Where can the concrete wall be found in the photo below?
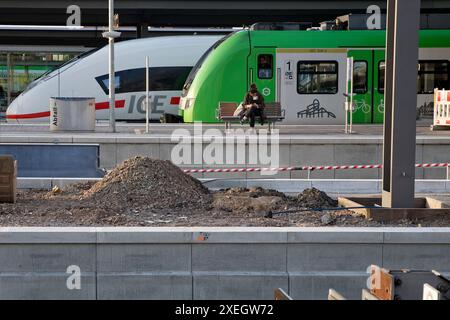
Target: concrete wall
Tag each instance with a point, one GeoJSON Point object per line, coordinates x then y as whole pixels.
{"type": "Point", "coordinates": [294, 150]}
{"type": "Point", "coordinates": [209, 263]}
{"type": "Point", "coordinates": [300, 151]}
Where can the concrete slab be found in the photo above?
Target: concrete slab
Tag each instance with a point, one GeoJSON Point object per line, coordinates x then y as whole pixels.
{"type": "Point", "coordinates": [315, 286]}
{"type": "Point", "coordinates": [239, 257]}
{"type": "Point", "coordinates": [417, 235]}
{"type": "Point", "coordinates": [46, 257]}
{"type": "Point", "coordinates": [45, 286]}
{"type": "Point", "coordinates": [238, 235]}
{"type": "Point", "coordinates": [43, 235]}
{"type": "Point", "coordinates": [64, 182]}
{"type": "Point", "coordinates": [34, 183]}
{"type": "Point", "coordinates": [333, 257]}
{"type": "Point", "coordinates": [144, 286]}
{"type": "Point", "coordinates": [127, 151]}
{"type": "Point", "coordinates": [143, 258]}
{"type": "Point", "coordinates": [368, 154]}
{"type": "Point", "coordinates": [345, 186]}
{"type": "Point", "coordinates": [209, 263]}
{"type": "Point", "coordinates": [311, 155]}
{"type": "Point", "coordinates": [140, 235]}
{"type": "Point", "coordinates": [430, 186]}
{"type": "Point", "coordinates": [335, 235]}
{"type": "Point", "coordinates": [108, 155]}
{"type": "Point", "coordinates": [417, 256]}
{"type": "Point", "coordinates": [237, 286]}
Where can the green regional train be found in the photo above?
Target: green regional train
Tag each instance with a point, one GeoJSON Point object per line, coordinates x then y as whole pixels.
{"type": "Point", "coordinates": [306, 71]}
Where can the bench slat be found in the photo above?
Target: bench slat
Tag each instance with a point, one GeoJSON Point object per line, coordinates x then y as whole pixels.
{"type": "Point", "coordinates": [272, 111]}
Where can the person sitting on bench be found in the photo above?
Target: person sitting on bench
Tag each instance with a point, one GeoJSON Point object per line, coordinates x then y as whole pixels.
{"type": "Point", "coordinates": [254, 106]}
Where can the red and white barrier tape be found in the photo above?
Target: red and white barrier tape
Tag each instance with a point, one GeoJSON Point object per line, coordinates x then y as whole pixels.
{"type": "Point", "coordinates": [308, 168]}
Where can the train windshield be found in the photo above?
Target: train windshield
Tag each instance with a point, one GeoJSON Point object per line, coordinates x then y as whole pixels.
{"type": "Point", "coordinates": [199, 64]}
{"type": "Point", "coordinates": [51, 73]}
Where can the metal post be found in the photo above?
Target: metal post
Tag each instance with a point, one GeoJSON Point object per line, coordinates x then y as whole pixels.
{"type": "Point", "coordinates": [351, 95]}
{"type": "Point", "coordinates": [10, 76]}
{"type": "Point", "coordinates": [112, 82]}
{"type": "Point", "coordinates": [402, 42]}
{"type": "Point", "coordinates": [147, 89]}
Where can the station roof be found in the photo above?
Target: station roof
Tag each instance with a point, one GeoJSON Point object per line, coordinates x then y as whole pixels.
{"type": "Point", "coordinates": [174, 13]}
{"type": "Point", "coordinates": [186, 12]}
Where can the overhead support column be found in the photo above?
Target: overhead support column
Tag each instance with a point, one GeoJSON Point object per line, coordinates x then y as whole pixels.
{"type": "Point", "coordinates": [402, 50]}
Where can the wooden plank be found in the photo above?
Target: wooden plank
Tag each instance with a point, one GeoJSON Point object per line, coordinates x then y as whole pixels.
{"type": "Point", "coordinates": [334, 295]}
{"type": "Point", "coordinates": [280, 294]}
{"type": "Point", "coordinates": [424, 208]}
{"type": "Point", "coordinates": [366, 295]}
{"type": "Point", "coordinates": [382, 284]}
{"type": "Point", "coordinates": [8, 179]}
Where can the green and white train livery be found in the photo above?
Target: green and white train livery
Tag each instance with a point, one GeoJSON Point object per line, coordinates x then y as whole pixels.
{"type": "Point", "coordinates": [306, 72]}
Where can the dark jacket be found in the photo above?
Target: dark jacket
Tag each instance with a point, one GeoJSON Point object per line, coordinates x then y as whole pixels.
{"type": "Point", "coordinates": [248, 99]}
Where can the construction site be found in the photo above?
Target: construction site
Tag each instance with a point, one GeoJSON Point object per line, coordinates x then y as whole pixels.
{"type": "Point", "coordinates": [131, 171]}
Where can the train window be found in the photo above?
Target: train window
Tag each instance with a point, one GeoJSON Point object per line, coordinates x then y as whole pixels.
{"type": "Point", "coordinates": [360, 77]}
{"type": "Point", "coordinates": [431, 74]}
{"type": "Point", "coordinates": [265, 66]}
{"type": "Point", "coordinates": [317, 77]}
{"type": "Point", "coordinates": [105, 83]}
{"type": "Point", "coordinates": [161, 79]}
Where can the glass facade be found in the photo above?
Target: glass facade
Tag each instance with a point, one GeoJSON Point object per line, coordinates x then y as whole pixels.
{"type": "Point", "coordinates": [18, 69]}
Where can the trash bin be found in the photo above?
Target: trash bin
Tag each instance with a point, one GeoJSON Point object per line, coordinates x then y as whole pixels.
{"type": "Point", "coordinates": [72, 114]}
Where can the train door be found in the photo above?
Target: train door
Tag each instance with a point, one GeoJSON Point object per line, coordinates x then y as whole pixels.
{"type": "Point", "coordinates": [311, 85]}
{"type": "Point", "coordinates": [262, 71]}
{"type": "Point", "coordinates": [362, 85]}
{"type": "Point", "coordinates": [378, 85]}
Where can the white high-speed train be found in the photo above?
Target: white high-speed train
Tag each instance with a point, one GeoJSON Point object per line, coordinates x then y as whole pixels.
{"type": "Point", "coordinates": [171, 60]}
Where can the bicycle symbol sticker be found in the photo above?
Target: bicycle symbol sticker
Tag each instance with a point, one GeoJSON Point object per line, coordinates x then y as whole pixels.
{"type": "Point", "coordinates": [361, 105]}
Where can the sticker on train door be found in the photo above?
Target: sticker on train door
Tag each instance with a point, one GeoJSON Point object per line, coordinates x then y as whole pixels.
{"type": "Point", "coordinates": [289, 72]}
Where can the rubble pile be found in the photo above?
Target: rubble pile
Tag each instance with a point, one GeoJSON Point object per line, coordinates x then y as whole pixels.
{"type": "Point", "coordinates": [314, 198]}
{"type": "Point", "coordinates": [151, 183]}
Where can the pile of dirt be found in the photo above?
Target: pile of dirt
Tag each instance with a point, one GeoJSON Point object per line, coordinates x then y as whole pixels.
{"type": "Point", "coordinates": [254, 192]}
{"type": "Point", "coordinates": [150, 183]}
{"type": "Point", "coordinates": [314, 198]}
{"type": "Point", "coordinates": [254, 200]}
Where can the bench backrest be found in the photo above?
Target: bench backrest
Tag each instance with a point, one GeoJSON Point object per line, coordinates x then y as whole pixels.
{"type": "Point", "coordinates": [227, 109]}
{"type": "Point", "coordinates": [272, 109]}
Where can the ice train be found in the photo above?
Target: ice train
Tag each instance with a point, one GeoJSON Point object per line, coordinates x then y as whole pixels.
{"type": "Point", "coordinates": [171, 60]}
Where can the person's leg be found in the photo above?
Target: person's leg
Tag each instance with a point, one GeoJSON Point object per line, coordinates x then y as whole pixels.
{"type": "Point", "coordinates": [259, 113]}
{"type": "Point", "coordinates": [262, 116]}
{"type": "Point", "coordinates": [251, 116]}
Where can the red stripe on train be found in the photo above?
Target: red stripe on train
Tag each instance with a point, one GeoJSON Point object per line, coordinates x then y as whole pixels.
{"type": "Point", "coordinates": [44, 114]}
{"type": "Point", "coordinates": [105, 105]}
{"type": "Point", "coordinates": [175, 100]}
{"type": "Point", "coordinates": [29, 115]}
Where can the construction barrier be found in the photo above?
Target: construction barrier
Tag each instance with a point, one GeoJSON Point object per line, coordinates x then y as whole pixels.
{"type": "Point", "coordinates": [309, 168]}
{"type": "Point", "coordinates": [441, 112]}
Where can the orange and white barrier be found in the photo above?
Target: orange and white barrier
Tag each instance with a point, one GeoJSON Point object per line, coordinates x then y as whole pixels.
{"type": "Point", "coordinates": [441, 114]}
